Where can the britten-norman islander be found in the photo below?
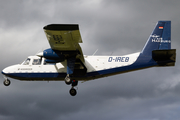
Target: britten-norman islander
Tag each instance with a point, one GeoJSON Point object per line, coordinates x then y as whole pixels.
{"type": "Point", "coordinates": [65, 61]}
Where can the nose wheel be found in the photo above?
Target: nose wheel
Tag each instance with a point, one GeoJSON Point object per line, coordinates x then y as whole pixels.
{"type": "Point", "coordinates": [7, 82]}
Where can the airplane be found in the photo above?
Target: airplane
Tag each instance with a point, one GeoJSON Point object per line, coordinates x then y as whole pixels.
{"type": "Point", "coordinates": [65, 61]}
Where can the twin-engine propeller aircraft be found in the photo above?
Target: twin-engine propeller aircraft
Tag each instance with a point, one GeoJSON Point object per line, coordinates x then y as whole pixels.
{"type": "Point", "coordinates": [65, 61]}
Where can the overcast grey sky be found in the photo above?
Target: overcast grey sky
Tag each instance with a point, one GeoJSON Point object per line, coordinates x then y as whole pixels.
{"type": "Point", "coordinates": [112, 26]}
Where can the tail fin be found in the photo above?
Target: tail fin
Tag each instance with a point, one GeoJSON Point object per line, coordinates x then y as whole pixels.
{"type": "Point", "coordinates": [158, 46]}
{"type": "Point", "coordinates": [160, 39]}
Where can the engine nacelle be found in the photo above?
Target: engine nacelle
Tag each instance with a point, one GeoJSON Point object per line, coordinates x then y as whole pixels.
{"type": "Point", "coordinates": [53, 55]}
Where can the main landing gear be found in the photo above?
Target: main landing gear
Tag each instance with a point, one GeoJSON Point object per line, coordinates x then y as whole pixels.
{"type": "Point", "coordinates": [73, 83]}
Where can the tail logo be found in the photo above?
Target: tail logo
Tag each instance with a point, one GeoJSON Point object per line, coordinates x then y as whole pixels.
{"type": "Point", "coordinates": [156, 38]}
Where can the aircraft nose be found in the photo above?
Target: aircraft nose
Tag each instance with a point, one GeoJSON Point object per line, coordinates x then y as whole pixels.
{"type": "Point", "coordinates": [5, 71]}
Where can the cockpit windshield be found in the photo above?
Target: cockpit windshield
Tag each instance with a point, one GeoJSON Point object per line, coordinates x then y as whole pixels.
{"type": "Point", "coordinates": [26, 62]}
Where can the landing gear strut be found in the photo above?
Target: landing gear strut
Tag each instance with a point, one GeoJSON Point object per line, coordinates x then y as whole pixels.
{"type": "Point", "coordinates": [73, 83]}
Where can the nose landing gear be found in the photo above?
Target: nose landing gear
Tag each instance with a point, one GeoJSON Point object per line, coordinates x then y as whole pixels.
{"type": "Point", "coordinates": [6, 82]}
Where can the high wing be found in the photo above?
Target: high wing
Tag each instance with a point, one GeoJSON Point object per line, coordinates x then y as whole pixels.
{"type": "Point", "coordinates": [65, 38]}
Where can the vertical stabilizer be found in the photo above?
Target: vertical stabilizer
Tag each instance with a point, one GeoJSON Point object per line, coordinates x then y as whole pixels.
{"type": "Point", "coordinates": [160, 39]}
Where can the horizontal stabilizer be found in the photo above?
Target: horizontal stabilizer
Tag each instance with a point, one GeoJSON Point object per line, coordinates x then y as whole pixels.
{"type": "Point", "coordinates": [164, 57]}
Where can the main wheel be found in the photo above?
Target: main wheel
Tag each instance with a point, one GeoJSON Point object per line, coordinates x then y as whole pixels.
{"type": "Point", "coordinates": [73, 92]}
{"type": "Point", "coordinates": [68, 80]}
{"type": "Point", "coordinates": [7, 82]}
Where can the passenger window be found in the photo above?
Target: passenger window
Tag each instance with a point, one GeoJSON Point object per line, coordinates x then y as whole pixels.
{"type": "Point", "coordinates": [36, 62]}
{"type": "Point", "coordinates": [26, 62]}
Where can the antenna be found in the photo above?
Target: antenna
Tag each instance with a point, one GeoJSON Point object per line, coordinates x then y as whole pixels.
{"type": "Point", "coordinates": [95, 52]}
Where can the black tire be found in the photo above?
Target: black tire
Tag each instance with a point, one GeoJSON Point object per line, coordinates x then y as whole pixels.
{"type": "Point", "coordinates": [72, 92]}
{"type": "Point", "coordinates": [7, 82]}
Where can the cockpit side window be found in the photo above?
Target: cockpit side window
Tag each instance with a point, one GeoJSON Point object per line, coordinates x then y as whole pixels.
{"type": "Point", "coordinates": [27, 61]}
{"type": "Point", "coordinates": [37, 62]}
